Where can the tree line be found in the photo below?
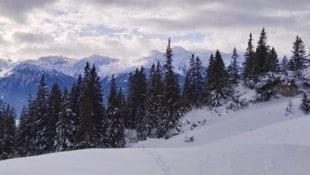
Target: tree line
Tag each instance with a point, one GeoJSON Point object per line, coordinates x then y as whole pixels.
{"type": "Point", "coordinates": [60, 120]}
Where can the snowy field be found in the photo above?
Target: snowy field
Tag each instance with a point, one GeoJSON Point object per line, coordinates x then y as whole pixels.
{"type": "Point", "coordinates": [262, 139]}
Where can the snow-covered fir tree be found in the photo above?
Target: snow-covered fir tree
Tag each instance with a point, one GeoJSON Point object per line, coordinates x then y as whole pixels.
{"type": "Point", "coordinates": [54, 110]}
{"type": "Point", "coordinates": [218, 86]}
{"type": "Point", "coordinates": [39, 116]}
{"type": "Point", "coordinates": [172, 99]}
{"type": "Point", "coordinates": [233, 68]}
{"type": "Point", "coordinates": [305, 103]}
{"type": "Point", "coordinates": [299, 56]}
{"type": "Point", "coordinates": [7, 131]}
{"type": "Point", "coordinates": [91, 131]}
{"type": "Point", "coordinates": [116, 138]}
{"type": "Point", "coordinates": [194, 83]}
{"type": "Point", "coordinates": [65, 126]}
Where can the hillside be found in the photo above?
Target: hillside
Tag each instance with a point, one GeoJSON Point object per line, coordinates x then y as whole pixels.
{"type": "Point", "coordinates": [260, 139]}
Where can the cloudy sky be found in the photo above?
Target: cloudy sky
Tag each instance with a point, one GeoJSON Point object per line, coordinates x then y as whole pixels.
{"type": "Point", "coordinates": [132, 28]}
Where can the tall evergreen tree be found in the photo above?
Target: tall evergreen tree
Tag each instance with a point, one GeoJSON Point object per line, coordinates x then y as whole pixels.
{"type": "Point", "coordinates": [91, 110]}
{"type": "Point", "coordinates": [305, 103]}
{"type": "Point", "coordinates": [7, 131]}
{"type": "Point", "coordinates": [271, 64]}
{"type": "Point", "coordinates": [217, 81]}
{"type": "Point", "coordinates": [116, 122]}
{"type": "Point", "coordinates": [172, 104]}
{"type": "Point", "coordinates": [299, 56]}
{"type": "Point", "coordinates": [131, 102]}
{"type": "Point", "coordinates": [284, 65]}
{"type": "Point", "coordinates": [188, 90]}
{"type": "Point", "coordinates": [194, 83]}
{"type": "Point", "coordinates": [233, 68]}
{"type": "Point", "coordinates": [38, 114]}
{"type": "Point", "coordinates": [25, 132]}
{"type": "Point", "coordinates": [154, 101]}
{"type": "Point", "coordinates": [249, 63]}
{"type": "Point", "coordinates": [65, 127]}
{"type": "Point", "coordinates": [142, 122]}
{"type": "Point", "coordinates": [261, 54]}
{"type": "Point", "coordinates": [75, 105]}
{"type": "Point", "coordinates": [54, 110]}
{"type": "Point", "coordinates": [137, 97]}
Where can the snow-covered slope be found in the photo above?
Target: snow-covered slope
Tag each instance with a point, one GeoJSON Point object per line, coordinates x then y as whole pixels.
{"type": "Point", "coordinates": [261, 139]}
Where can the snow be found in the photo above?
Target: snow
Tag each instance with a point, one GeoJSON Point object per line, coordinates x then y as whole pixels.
{"type": "Point", "coordinates": [260, 139]}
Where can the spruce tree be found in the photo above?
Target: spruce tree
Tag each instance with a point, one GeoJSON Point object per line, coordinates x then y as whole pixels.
{"type": "Point", "coordinates": [271, 64]}
{"type": "Point", "coordinates": [38, 114]}
{"type": "Point", "coordinates": [91, 131]}
{"type": "Point", "coordinates": [188, 89]}
{"type": "Point", "coordinates": [75, 105]}
{"type": "Point", "coordinates": [233, 68]}
{"type": "Point", "coordinates": [25, 132]}
{"type": "Point", "coordinates": [54, 110]}
{"type": "Point", "coordinates": [65, 127]}
{"type": "Point", "coordinates": [136, 98]}
{"type": "Point", "coordinates": [249, 63]}
{"type": "Point", "coordinates": [218, 86]}
{"type": "Point", "coordinates": [194, 83]}
{"type": "Point", "coordinates": [172, 104]}
{"type": "Point", "coordinates": [154, 101]}
{"type": "Point", "coordinates": [284, 65]}
{"type": "Point", "coordinates": [131, 103]}
{"type": "Point", "coordinates": [299, 56]}
{"type": "Point", "coordinates": [7, 131]}
{"type": "Point", "coordinates": [142, 122]}
{"type": "Point", "coordinates": [116, 137]}
{"type": "Point", "coordinates": [261, 54]}
{"type": "Point", "coordinates": [305, 103]}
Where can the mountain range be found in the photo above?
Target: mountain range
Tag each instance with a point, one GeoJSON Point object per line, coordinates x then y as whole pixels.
{"type": "Point", "coordinates": [19, 80]}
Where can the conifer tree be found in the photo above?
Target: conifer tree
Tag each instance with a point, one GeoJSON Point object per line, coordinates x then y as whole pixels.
{"type": "Point", "coordinates": [305, 103]}
{"type": "Point", "coordinates": [217, 81]}
{"type": "Point", "coordinates": [299, 56]}
{"type": "Point", "coordinates": [38, 114]}
{"type": "Point", "coordinates": [188, 89]}
{"type": "Point", "coordinates": [25, 132]}
{"type": "Point", "coordinates": [284, 65]}
{"type": "Point", "coordinates": [54, 110]}
{"type": "Point", "coordinates": [261, 54]}
{"type": "Point", "coordinates": [142, 122]}
{"type": "Point", "coordinates": [131, 102]}
{"type": "Point", "coordinates": [154, 101]}
{"type": "Point", "coordinates": [249, 63]}
{"type": "Point", "coordinates": [136, 97]}
{"type": "Point", "coordinates": [200, 82]}
{"type": "Point", "coordinates": [172, 104]}
{"type": "Point", "coordinates": [271, 64]}
{"type": "Point", "coordinates": [7, 131]}
{"type": "Point", "coordinates": [209, 83]}
{"type": "Point", "coordinates": [65, 126]}
{"type": "Point", "coordinates": [233, 68]}
{"type": "Point", "coordinates": [194, 83]}
{"type": "Point", "coordinates": [91, 111]}
{"type": "Point", "coordinates": [116, 122]}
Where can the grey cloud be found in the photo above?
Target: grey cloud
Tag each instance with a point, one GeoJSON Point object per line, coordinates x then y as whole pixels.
{"type": "Point", "coordinates": [288, 4]}
{"type": "Point", "coordinates": [17, 9]}
{"type": "Point", "coordinates": [31, 37]}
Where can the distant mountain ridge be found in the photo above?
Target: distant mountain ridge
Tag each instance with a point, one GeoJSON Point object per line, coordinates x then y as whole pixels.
{"type": "Point", "coordinates": [19, 79]}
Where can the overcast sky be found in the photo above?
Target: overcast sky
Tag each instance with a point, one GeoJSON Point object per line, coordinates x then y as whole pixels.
{"type": "Point", "coordinates": [132, 28]}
